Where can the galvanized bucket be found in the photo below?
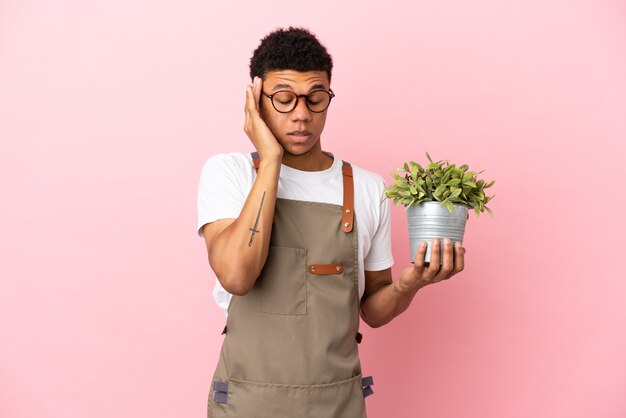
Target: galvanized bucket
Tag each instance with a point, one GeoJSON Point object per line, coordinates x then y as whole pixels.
{"type": "Point", "coordinates": [429, 220]}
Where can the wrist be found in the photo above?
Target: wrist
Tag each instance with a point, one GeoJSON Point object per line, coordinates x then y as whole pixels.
{"type": "Point", "coordinates": [271, 161]}
{"type": "Point", "coordinates": [406, 289]}
{"type": "Point", "coordinates": [271, 153]}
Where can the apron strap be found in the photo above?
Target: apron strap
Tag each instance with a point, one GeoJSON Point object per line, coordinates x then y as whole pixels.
{"type": "Point", "coordinates": [347, 217]}
{"type": "Point", "coordinates": [256, 160]}
{"type": "Point", "coordinates": [348, 198]}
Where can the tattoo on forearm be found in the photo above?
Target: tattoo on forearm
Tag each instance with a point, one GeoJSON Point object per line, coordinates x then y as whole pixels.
{"type": "Point", "coordinates": [258, 215]}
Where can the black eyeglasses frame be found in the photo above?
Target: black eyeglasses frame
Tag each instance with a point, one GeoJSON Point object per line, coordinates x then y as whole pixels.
{"type": "Point", "coordinates": [330, 93]}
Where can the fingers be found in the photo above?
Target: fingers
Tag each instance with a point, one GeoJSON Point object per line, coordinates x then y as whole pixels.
{"type": "Point", "coordinates": [257, 86]}
{"type": "Point", "coordinates": [459, 257]}
{"type": "Point", "coordinates": [248, 122]}
{"type": "Point", "coordinates": [435, 256]}
{"type": "Point", "coordinates": [418, 264]}
{"type": "Point", "coordinates": [452, 263]}
{"type": "Point", "coordinates": [427, 275]}
{"type": "Point", "coordinates": [255, 127]}
{"type": "Point", "coordinates": [250, 106]}
{"type": "Point", "coordinates": [447, 265]}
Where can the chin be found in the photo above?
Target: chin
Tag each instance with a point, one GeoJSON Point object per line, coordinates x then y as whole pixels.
{"type": "Point", "coordinates": [298, 149]}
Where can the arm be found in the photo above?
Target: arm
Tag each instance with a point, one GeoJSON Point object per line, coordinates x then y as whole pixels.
{"type": "Point", "coordinates": [237, 250]}
{"type": "Point", "coordinates": [384, 299]}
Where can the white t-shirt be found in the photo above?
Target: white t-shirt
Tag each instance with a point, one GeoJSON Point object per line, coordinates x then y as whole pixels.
{"type": "Point", "coordinates": [226, 180]}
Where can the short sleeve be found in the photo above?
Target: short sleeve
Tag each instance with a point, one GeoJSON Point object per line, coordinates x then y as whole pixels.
{"type": "Point", "coordinates": [380, 256]}
{"type": "Point", "coordinates": [220, 190]}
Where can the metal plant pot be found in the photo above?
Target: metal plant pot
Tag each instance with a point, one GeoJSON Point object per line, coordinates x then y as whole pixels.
{"type": "Point", "coordinates": [429, 220]}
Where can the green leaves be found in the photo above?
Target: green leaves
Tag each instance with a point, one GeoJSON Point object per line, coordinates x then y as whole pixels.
{"type": "Point", "coordinates": [439, 190]}
{"type": "Point", "coordinates": [455, 194]}
{"type": "Point", "coordinates": [439, 181]}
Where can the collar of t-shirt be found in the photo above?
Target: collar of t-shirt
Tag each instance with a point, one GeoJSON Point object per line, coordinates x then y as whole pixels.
{"type": "Point", "coordinates": [318, 177]}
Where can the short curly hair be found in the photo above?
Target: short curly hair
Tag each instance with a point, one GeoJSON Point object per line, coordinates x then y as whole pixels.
{"type": "Point", "coordinates": [290, 49]}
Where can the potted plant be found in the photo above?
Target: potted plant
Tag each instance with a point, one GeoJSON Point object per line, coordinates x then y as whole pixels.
{"type": "Point", "coordinates": [437, 198]}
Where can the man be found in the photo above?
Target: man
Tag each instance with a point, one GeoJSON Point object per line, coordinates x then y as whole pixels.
{"type": "Point", "coordinates": [300, 246]}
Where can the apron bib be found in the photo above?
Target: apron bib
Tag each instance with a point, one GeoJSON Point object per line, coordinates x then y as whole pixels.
{"type": "Point", "coordinates": [290, 348]}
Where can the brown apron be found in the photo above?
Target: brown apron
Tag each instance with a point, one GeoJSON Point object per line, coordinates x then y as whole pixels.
{"type": "Point", "coordinates": [290, 348]}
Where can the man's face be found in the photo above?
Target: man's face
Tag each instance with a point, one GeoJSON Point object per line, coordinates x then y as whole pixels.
{"type": "Point", "coordinates": [298, 131]}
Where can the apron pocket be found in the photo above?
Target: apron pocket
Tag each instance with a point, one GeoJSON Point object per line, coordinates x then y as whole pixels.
{"type": "Point", "coordinates": [342, 399]}
{"type": "Point", "coordinates": [282, 282]}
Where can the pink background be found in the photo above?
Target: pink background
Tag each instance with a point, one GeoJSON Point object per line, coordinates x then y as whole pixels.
{"type": "Point", "coordinates": [109, 109]}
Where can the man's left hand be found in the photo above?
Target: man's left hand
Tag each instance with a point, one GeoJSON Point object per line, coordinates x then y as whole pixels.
{"type": "Point", "coordinates": [418, 275]}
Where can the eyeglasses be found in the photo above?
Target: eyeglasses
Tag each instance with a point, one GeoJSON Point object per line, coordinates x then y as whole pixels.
{"type": "Point", "coordinates": [285, 101]}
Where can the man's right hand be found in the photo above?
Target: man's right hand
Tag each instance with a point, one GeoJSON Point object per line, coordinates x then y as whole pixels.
{"type": "Point", "coordinates": [256, 128]}
{"type": "Point", "coordinates": [238, 248]}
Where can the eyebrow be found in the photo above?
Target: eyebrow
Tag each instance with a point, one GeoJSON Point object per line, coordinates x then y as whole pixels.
{"type": "Point", "coordinates": [287, 86]}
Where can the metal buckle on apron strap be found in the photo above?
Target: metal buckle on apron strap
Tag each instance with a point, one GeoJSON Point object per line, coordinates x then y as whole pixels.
{"type": "Point", "coordinates": [221, 391]}
{"type": "Point", "coordinates": [367, 383]}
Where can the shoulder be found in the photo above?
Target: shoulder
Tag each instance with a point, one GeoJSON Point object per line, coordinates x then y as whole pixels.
{"type": "Point", "coordinates": [229, 159]}
{"type": "Point", "coordinates": [231, 164]}
{"type": "Point", "coordinates": [225, 171]}
{"type": "Point", "coordinates": [368, 180]}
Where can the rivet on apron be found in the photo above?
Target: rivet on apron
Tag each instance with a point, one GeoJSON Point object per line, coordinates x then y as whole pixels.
{"type": "Point", "coordinates": [347, 224]}
{"type": "Point", "coordinates": [312, 268]}
{"type": "Point", "coordinates": [338, 268]}
{"type": "Point", "coordinates": [347, 210]}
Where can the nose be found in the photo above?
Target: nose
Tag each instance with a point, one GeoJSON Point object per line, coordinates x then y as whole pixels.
{"type": "Point", "coordinates": [301, 112]}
